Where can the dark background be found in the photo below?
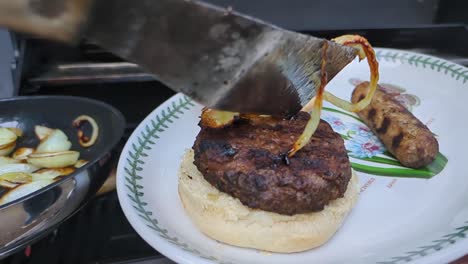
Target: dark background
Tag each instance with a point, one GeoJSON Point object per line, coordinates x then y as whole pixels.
{"type": "Point", "coordinates": [344, 14]}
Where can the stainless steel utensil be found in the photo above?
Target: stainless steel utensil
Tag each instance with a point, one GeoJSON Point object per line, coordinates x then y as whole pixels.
{"type": "Point", "coordinates": [220, 58]}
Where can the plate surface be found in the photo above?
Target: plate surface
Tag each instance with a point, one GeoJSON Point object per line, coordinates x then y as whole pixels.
{"type": "Point", "coordinates": [402, 215]}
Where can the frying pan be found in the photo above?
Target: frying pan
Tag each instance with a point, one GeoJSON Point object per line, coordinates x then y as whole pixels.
{"type": "Point", "coordinates": [31, 217]}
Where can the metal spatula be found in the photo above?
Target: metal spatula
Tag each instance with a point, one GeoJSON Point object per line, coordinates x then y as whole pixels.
{"type": "Point", "coordinates": [220, 58]}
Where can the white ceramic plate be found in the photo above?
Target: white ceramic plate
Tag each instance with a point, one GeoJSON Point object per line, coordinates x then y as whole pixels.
{"type": "Point", "coordinates": [396, 220]}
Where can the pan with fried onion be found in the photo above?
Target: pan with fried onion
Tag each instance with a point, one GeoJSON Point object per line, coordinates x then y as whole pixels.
{"type": "Point", "coordinates": [55, 154]}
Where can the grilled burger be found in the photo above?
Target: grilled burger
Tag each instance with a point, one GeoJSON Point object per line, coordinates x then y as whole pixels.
{"type": "Point", "coordinates": [239, 187]}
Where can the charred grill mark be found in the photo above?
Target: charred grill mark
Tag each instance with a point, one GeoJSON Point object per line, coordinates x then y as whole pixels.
{"type": "Point", "coordinates": [397, 140]}
{"type": "Point", "coordinates": [225, 148]}
{"type": "Point", "coordinates": [229, 151]}
{"type": "Point", "coordinates": [384, 127]}
{"type": "Point", "coordinates": [285, 159]}
{"type": "Point", "coordinates": [264, 158]}
{"type": "Point", "coordinates": [371, 114]}
{"type": "Point", "coordinates": [210, 144]}
{"type": "Point", "coordinates": [404, 135]}
{"type": "Point", "coordinates": [260, 182]}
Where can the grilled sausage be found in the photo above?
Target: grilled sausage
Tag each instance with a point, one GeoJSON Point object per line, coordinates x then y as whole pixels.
{"type": "Point", "coordinates": [407, 138]}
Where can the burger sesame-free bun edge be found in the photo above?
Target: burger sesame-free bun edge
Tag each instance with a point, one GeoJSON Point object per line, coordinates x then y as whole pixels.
{"type": "Point", "coordinates": [225, 219]}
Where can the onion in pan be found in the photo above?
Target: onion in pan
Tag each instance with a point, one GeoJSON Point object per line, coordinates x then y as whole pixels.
{"type": "Point", "coordinates": [54, 159]}
{"type": "Point", "coordinates": [51, 174]}
{"type": "Point", "coordinates": [23, 190]}
{"type": "Point", "coordinates": [22, 153]}
{"type": "Point", "coordinates": [8, 160]}
{"type": "Point", "coordinates": [42, 132]}
{"type": "Point", "coordinates": [29, 169]}
{"type": "Point", "coordinates": [12, 179]}
{"type": "Point", "coordinates": [56, 141]}
{"type": "Point", "coordinates": [18, 167]}
{"type": "Point", "coordinates": [84, 140]}
{"type": "Point", "coordinates": [18, 132]}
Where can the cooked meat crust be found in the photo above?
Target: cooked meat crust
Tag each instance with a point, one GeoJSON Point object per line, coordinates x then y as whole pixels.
{"type": "Point", "coordinates": [248, 161]}
{"type": "Point", "coordinates": [404, 135]}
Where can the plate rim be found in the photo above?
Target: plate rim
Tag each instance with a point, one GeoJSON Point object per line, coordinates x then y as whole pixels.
{"type": "Point", "coordinates": [447, 253]}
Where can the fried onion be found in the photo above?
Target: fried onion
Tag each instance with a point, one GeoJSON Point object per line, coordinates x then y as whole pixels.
{"type": "Point", "coordinates": [216, 118]}
{"type": "Point", "coordinates": [84, 140]}
{"type": "Point", "coordinates": [54, 159]}
{"type": "Point", "coordinates": [42, 132]}
{"type": "Point", "coordinates": [22, 153]}
{"type": "Point", "coordinates": [317, 101]}
{"type": "Point", "coordinates": [365, 50]}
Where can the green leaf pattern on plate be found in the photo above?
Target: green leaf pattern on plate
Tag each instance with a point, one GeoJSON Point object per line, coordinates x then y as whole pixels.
{"type": "Point", "coordinates": [436, 245]}
{"type": "Point", "coordinates": [458, 72]}
{"type": "Point", "coordinates": [134, 165]}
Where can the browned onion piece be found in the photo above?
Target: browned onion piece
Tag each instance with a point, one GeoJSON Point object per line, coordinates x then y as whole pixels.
{"type": "Point", "coordinates": [84, 140]}
{"type": "Point", "coordinates": [54, 142]}
{"type": "Point", "coordinates": [22, 153]}
{"type": "Point", "coordinates": [18, 132]}
{"type": "Point", "coordinates": [12, 179]}
{"type": "Point", "coordinates": [365, 50]}
{"type": "Point", "coordinates": [7, 138]}
{"type": "Point", "coordinates": [80, 163]}
{"type": "Point", "coordinates": [54, 160]}
{"type": "Point", "coordinates": [7, 184]}
{"type": "Point", "coordinates": [16, 177]}
{"type": "Point", "coordinates": [317, 102]}
{"type": "Point", "coordinates": [51, 174]}
{"type": "Point", "coordinates": [216, 118]}
{"type": "Point", "coordinates": [42, 132]}
{"type": "Point", "coordinates": [7, 149]}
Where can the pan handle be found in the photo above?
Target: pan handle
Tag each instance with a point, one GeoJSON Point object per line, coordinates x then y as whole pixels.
{"type": "Point", "coordinates": [53, 19]}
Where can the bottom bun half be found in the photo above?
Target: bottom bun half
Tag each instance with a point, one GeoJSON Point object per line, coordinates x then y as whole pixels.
{"type": "Point", "coordinates": [225, 219]}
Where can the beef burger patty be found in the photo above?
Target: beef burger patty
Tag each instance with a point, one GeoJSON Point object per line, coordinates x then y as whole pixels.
{"type": "Point", "coordinates": [247, 160]}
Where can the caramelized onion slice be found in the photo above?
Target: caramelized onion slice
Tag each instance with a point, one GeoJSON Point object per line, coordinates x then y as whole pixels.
{"type": "Point", "coordinates": [80, 163]}
{"type": "Point", "coordinates": [22, 153]}
{"type": "Point", "coordinates": [7, 137]}
{"type": "Point", "coordinates": [8, 160]}
{"type": "Point", "coordinates": [316, 103]}
{"type": "Point", "coordinates": [6, 150]}
{"type": "Point", "coordinates": [365, 50]}
{"type": "Point", "coordinates": [84, 140]}
{"type": "Point", "coordinates": [217, 119]}
{"type": "Point", "coordinates": [51, 174]}
{"type": "Point", "coordinates": [54, 160]}
{"type": "Point", "coordinates": [16, 177]}
{"type": "Point", "coordinates": [17, 167]}
{"type": "Point", "coordinates": [7, 184]}
{"type": "Point", "coordinates": [57, 141]}
{"type": "Point", "coordinates": [18, 132]}
{"type": "Point", "coordinates": [42, 132]}
{"type": "Point", "coordinates": [24, 190]}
